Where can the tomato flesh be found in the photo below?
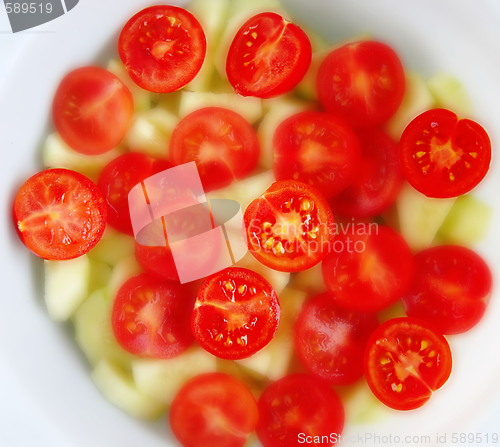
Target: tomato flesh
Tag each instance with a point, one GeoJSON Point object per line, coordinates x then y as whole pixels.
{"type": "Point", "coordinates": [151, 318]}
{"type": "Point", "coordinates": [236, 314]}
{"type": "Point", "coordinates": [299, 405]}
{"type": "Point", "coordinates": [59, 214]}
{"type": "Point", "coordinates": [450, 289]}
{"type": "Point", "coordinates": [268, 56]}
{"type": "Point", "coordinates": [406, 360]}
{"type": "Point", "coordinates": [92, 110]}
{"type": "Point", "coordinates": [213, 410]}
{"type": "Point", "coordinates": [163, 48]}
{"type": "Point", "coordinates": [444, 156]}
{"type": "Point", "coordinates": [317, 149]}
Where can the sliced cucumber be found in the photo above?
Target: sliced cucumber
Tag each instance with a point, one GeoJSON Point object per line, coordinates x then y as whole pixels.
{"type": "Point", "coordinates": [257, 365]}
{"type": "Point", "coordinates": [99, 276]}
{"type": "Point", "coordinates": [141, 97]}
{"type": "Point", "coordinates": [66, 286]}
{"type": "Point", "coordinates": [94, 333]}
{"type": "Point", "coordinates": [467, 222]}
{"type": "Point", "coordinates": [57, 154]}
{"type": "Point", "coordinates": [162, 379]}
{"type": "Point", "coordinates": [417, 99]}
{"type": "Point", "coordinates": [420, 217]}
{"type": "Point", "coordinates": [118, 387]}
{"type": "Point", "coordinates": [395, 311]}
{"type": "Point", "coordinates": [450, 93]}
{"type": "Point", "coordinates": [124, 269]}
{"type": "Point", "coordinates": [248, 107]}
{"type": "Point", "coordinates": [113, 247]}
{"type": "Point", "coordinates": [310, 280]}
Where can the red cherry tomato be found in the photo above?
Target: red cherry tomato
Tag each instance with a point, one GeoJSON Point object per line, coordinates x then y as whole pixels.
{"type": "Point", "coordinates": [151, 318]}
{"type": "Point", "coordinates": [221, 142]}
{"type": "Point", "coordinates": [379, 178]}
{"type": "Point", "coordinates": [406, 360]}
{"type": "Point", "coordinates": [317, 149]}
{"type": "Point", "coordinates": [163, 48]}
{"type": "Point", "coordinates": [236, 314]}
{"type": "Point", "coordinates": [92, 110]}
{"type": "Point", "coordinates": [362, 83]}
{"type": "Point", "coordinates": [295, 409]}
{"type": "Point", "coordinates": [290, 227]}
{"type": "Point", "coordinates": [213, 410]}
{"type": "Point", "coordinates": [450, 288]}
{"type": "Point", "coordinates": [368, 272]}
{"type": "Point", "coordinates": [268, 56]}
{"type": "Point", "coordinates": [444, 156]}
{"type": "Point", "coordinates": [59, 214]}
{"type": "Point", "coordinates": [330, 341]}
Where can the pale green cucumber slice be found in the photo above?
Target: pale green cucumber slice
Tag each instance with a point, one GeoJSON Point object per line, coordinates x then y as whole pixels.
{"type": "Point", "coordinates": [66, 286]}
{"type": "Point", "coordinates": [123, 270]}
{"type": "Point", "coordinates": [99, 276]}
{"type": "Point", "coordinates": [467, 222]}
{"type": "Point", "coordinates": [416, 100]}
{"type": "Point", "coordinates": [420, 217]}
{"type": "Point", "coordinates": [450, 93]}
{"type": "Point", "coordinates": [118, 387]}
{"type": "Point", "coordinates": [141, 97]}
{"type": "Point", "coordinates": [395, 311]}
{"type": "Point", "coordinates": [57, 154]}
{"type": "Point", "coordinates": [113, 247]}
{"type": "Point", "coordinates": [310, 280]}
{"type": "Point", "coordinates": [162, 379]}
{"type": "Point", "coordinates": [248, 107]}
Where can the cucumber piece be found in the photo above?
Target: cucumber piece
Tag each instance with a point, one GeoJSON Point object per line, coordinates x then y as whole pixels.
{"type": "Point", "coordinates": [467, 222]}
{"type": "Point", "coordinates": [150, 132]}
{"type": "Point", "coordinates": [141, 97]}
{"type": "Point", "coordinates": [248, 107]}
{"type": "Point", "coordinates": [94, 333]}
{"type": "Point", "coordinates": [420, 217]}
{"type": "Point", "coordinates": [257, 366]}
{"type": "Point", "coordinates": [124, 269]}
{"type": "Point", "coordinates": [113, 247]}
{"type": "Point", "coordinates": [118, 388]}
{"type": "Point", "coordinates": [395, 311]}
{"type": "Point", "coordinates": [162, 379]}
{"type": "Point", "coordinates": [99, 276]}
{"type": "Point", "coordinates": [450, 93]}
{"type": "Point", "coordinates": [57, 154]}
{"type": "Point", "coordinates": [310, 280]}
{"type": "Point", "coordinates": [66, 286]}
{"type": "Point", "coordinates": [416, 100]}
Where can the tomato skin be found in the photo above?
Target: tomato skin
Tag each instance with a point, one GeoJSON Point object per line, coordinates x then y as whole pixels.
{"type": "Point", "coordinates": [213, 410]}
{"type": "Point", "coordinates": [238, 305]}
{"type": "Point", "coordinates": [317, 149]}
{"type": "Point", "coordinates": [151, 318]}
{"type": "Point", "coordinates": [450, 289]}
{"type": "Point", "coordinates": [92, 110]}
{"type": "Point", "coordinates": [281, 206]}
{"type": "Point", "coordinates": [362, 83]}
{"type": "Point", "coordinates": [221, 142]}
{"type": "Point", "coordinates": [443, 155]}
{"type": "Point", "coordinates": [298, 404]}
{"type": "Point", "coordinates": [368, 272]}
{"type": "Point", "coordinates": [326, 333]}
{"type": "Point", "coordinates": [59, 214]}
{"type": "Point", "coordinates": [158, 262]}
{"type": "Point", "coordinates": [414, 345]}
{"type": "Point", "coordinates": [281, 56]}
{"type": "Point", "coordinates": [163, 48]}
{"type": "Point", "coordinates": [378, 181]}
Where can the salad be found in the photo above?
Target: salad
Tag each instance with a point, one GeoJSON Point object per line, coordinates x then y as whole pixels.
{"type": "Point", "coordinates": [306, 192]}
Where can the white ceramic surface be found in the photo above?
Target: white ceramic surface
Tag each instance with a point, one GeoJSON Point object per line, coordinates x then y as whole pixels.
{"type": "Point", "coordinates": [39, 359]}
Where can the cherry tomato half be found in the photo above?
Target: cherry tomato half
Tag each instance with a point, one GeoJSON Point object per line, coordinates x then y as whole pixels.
{"type": "Point", "coordinates": [378, 181]}
{"type": "Point", "coordinates": [236, 314]}
{"type": "Point", "coordinates": [59, 214]}
{"type": "Point", "coordinates": [317, 149]}
{"type": "Point", "coordinates": [450, 289]}
{"type": "Point", "coordinates": [163, 48]}
{"type": "Point", "coordinates": [406, 360]}
{"type": "Point", "coordinates": [221, 142]}
{"type": "Point", "coordinates": [362, 83]}
{"type": "Point", "coordinates": [92, 110]}
{"type": "Point", "coordinates": [213, 410]}
{"type": "Point", "coordinates": [442, 155]}
{"type": "Point", "coordinates": [151, 318]}
{"type": "Point", "coordinates": [297, 408]}
{"type": "Point", "coordinates": [268, 56]}
{"type": "Point", "coordinates": [330, 341]}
